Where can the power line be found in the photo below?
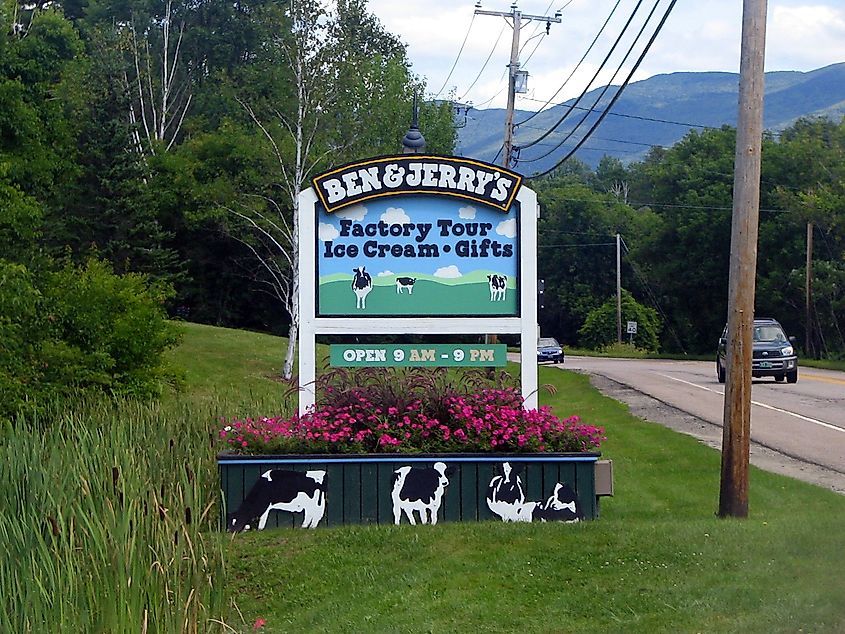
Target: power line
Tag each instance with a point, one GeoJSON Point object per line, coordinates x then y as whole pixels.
{"type": "Point", "coordinates": [487, 61]}
{"type": "Point", "coordinates": [585, 244]}
{"type": "Point", "coordinates": [522, 47]}
{"type": "Point", "coordinates": [603, 90]}
{"type": "Point", "coordinates": [587, 87]}
{"type": "Point", "coordinates": [484, 103]}
{"type": "Point", "coordinates": [634, 116]}
{"type": "Point", "coordinates": [651, 295]}
{"type": "Point", "coordinates": [666, 205]}
{"type": "Point", "coordinates": [618, 92]}
{"type": "Point", "coordinates": [577, 66]}
{"type": "Point", "coordinates": [461, 50]}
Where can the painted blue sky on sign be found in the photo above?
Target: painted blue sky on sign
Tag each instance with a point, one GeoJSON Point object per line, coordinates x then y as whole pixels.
{"type": "Point", "coordinates": [448, 237]}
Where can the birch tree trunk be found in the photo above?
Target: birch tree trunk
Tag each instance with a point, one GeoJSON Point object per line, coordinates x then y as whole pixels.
{"type": "Point", "coordinates": [307, 56]}
{"type": "Point", "coordinates": [162, 95]}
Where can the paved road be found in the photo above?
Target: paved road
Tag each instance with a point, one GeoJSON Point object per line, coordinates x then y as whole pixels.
{"type": "Point", "coordinates": [797, 429]}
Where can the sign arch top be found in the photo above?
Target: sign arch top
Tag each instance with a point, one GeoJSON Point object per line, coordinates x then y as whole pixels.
{"type": "Point", "coordinates": [417, 174]}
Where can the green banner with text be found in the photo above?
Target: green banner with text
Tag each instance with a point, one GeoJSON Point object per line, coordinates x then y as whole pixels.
{"type": "Point", "coordinates": [416, 356]}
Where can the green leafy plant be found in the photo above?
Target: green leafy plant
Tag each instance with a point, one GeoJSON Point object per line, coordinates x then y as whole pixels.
{"type": "Point", "coordinates": [78, 330]}
{"type": "Point", "coordinates": [599, 329]}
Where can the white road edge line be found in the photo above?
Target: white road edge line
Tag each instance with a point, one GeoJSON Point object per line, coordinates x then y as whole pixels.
{"type": "Point", "coordinates": [759, 404]}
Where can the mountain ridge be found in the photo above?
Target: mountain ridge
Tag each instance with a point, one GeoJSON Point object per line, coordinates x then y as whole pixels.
{"type": "Point", "coordinates": [659, 110]}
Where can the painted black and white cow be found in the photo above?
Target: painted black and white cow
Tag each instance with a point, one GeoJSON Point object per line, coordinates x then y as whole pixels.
{"type": "Point", "coordinates": [498, 287]}
{"type": "Point", "coordinates": [282, 490]}
{"type": "Point", "coordinates": [362, 284]}
{"type": "Point", "coordinates": [505, 495]}
{"type": "Point", "coordinates": [506, 499]}
{"type": "Point", "coordinates": [405, 282]}
{"type": "Point", "coordinates": [561, 506]}
{"type": "Point", "coordinates": [419, 489]}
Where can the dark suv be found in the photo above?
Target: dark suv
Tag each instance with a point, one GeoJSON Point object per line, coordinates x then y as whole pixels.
{"type": "Point", "coordinates": [773, 352]}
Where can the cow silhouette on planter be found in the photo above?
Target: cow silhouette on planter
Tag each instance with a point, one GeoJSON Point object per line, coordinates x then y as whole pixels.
{"type": "Point", "coordinates": [419, 489]}
{"type": "Point", "coordinates": [506, 499]}
{"type": "Point", "coordinates": [282, 490]}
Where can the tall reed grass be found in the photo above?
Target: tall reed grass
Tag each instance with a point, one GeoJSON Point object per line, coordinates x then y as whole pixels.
{"type": "Point", "coordinates": [110, 521]}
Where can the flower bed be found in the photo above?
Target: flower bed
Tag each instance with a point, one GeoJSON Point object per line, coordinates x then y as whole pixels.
{"type": "Point", "coordinates": [382, 450]}
{"type": "Point", "coordinates": [492, 420]}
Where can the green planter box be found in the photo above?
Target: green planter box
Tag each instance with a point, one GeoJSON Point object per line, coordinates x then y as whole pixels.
{"type": "Point", "coordinates": [334, 490]}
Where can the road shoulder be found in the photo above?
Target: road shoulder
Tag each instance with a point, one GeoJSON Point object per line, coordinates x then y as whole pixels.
{"type": "Point", "coordinates": [651, 409]}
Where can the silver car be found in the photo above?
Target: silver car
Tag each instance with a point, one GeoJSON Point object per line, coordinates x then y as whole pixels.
{"type": "Point", "coordinates": [773, 353]}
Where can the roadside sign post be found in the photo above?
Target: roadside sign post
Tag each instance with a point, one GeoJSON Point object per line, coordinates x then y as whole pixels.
{"type": "Point", "coordinates": [631, 330]}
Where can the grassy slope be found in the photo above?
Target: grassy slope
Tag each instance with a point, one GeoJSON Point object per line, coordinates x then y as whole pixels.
{"type": "Point", "coordinates": [658, 560]}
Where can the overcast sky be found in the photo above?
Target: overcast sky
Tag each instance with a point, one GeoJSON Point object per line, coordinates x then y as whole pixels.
{"type": "Point", "coordinates": [700, 35]}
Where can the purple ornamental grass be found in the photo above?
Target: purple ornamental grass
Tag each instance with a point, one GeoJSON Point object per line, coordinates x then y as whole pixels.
{"type": "Point", "coordinates": [485, 421]}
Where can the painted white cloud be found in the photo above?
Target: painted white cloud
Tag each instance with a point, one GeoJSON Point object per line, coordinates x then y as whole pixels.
{"type": "Point", "coordinates": [395, 216]}
{"type": "Point", "coordinates": [327, 232]}
{"type": "Point", "coordinates": [507, 228]}
{"type": "Point", "coordinates": [467, 213]}
{"type": "Point", "coordinates": [447, 271]}
{"type": "Point", "coordinates": [354, 212]}
{"type": "Point", "coordinates": [386, 273]}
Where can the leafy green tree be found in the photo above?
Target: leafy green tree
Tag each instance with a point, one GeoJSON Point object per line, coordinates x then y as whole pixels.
{"type": "Point", "coordinates": [110, 208]}
{"type": "Point", "coordinates": [347, 77]}
{"type": "Point", "coordinates": [807, 179]}
{"type": "Point", "coordinates": [599, 329]}
{"type": "Point", "coordinates": [577, 255]}
{"type": "Point", "coordinates": [686, 256]}
{"type": "Point", "coordinates": [20, 222]}
{"type": "Point", "coordinates": [77, 330]}
{"type": "Point", "coordinates": [39, 100]}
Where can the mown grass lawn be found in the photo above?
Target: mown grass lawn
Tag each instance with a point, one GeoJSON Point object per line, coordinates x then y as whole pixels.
{"type": "Point", "coordinates": [657, 560]}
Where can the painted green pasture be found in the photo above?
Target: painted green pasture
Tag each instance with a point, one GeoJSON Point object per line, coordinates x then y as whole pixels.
{"type": "Point", "coordinates": [428, 298]}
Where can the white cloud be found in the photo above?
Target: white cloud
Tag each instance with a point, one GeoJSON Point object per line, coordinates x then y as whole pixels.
{"type": "Point", "coordinates": [467, 213]}
{"type": "Point", "coordinates": [327, 232]}
{"type": "Point", "coordinates": [395, 216]}
{"type": "Point", "coordinates": [698, 36]}
{"type": "Point", "coordinates": [386, 273]}
{"type": "Point", "coordinates": [354, 212]}
{"type": "Point", "coordinates": [815, 34]}
{"type": "Point", "coordinates": [447, 271]}
{"type": "Point", "coordinates": [507, 228]}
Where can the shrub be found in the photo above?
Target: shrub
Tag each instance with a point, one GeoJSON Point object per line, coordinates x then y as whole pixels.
{"type": "Point", "coordinates": [412, 412]}
{"type": "Point", "coordinates": [82, 329]}
{"type": "Point", "coordinates": [599, 329]}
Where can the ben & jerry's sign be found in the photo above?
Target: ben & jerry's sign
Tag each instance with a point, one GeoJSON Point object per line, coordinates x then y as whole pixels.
{"type": "Point", "coordinates": [414, 174]}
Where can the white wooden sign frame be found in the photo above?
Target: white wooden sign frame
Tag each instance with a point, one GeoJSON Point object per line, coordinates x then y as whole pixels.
{"type": "Point", "coordinates": [525, 325]}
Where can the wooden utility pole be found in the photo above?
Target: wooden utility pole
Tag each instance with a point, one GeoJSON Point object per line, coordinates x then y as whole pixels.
{"type": "Point", "coordinates": [809, 337]}
{"type": "Point", "coordinates": [618, 288]}
{"type": "Point", "coordinates": [517, 17]}
{"type": "Point", "coordinates": [736, 431]}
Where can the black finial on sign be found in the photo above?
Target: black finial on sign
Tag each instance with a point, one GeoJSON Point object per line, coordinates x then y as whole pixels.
{"type": "Point", "coordinates": [413, 142]}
